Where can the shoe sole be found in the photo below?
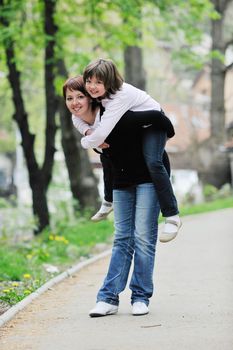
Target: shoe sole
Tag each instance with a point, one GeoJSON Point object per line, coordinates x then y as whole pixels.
{"type": "Point", "coordinates": [165, 239]}
{"type": "Point", "coordinates": [101, 315]}
{"type": "Point", "coordinates": [146, 313]}
{"type": "Point", "coordinates": [102, 217]}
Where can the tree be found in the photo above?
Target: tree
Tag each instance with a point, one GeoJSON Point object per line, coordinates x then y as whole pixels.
{"type": "Point", "coordinates": [39, 177]}
{"type": "Point", "coordinates": [82, 181]}
{"type": "Point", "coordinates": [21, 117]}
{"type": "Point", "coordinates": [220, 43]}
{"type": "Point", "coordinates": [214, 164]}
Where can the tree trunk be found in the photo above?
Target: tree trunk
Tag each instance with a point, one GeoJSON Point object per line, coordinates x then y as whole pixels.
{"type": "Point", "coordinates": [83, 182]}
{"type": "Point", "coordinates": [217, 109]}
{"type": "Point", "coordinates": [39, 201]}
{"type": "Point", "coordinates": [50, 30]}
{"type": "Point", "coordinates": [133, 58]}
{"type": "Point", "coordinates": [214, 166]}
{"type": "Point", "coordinates": [134, 72]}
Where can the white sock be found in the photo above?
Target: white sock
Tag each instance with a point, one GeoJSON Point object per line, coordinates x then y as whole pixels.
{"type": "Point", "coordinates": [105, 207]}
{"type": "Point", "coordinates": [170, 228]}
{"type": "Point", "coordinates": [174, 217]}
{"type": "Point", "coordinates": [106, 202]}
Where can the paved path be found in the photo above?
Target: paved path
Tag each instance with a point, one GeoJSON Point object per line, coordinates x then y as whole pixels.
{"type": "Point", "coordinates": [192, 308]}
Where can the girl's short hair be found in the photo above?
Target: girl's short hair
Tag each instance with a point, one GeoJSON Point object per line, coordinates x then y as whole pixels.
{"type": "Point", "coordinates": [77, 84]}
{"type": "Point", "coordinates": [106, 71]}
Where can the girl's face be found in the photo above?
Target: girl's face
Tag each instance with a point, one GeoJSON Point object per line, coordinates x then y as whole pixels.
{"type": "Point", "coordinates": [78, 103]}
{"type": "Point", "coordinates": [95, 87]}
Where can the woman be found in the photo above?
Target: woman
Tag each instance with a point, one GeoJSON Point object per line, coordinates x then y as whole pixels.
{"type": "Point", "coordinates": [82, 105]}
{"type": "Point", "coordinates": [136, 210]}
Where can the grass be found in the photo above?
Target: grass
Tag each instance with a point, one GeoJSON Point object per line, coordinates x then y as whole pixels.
{"type": "Point", "coordinates": [217, 204]}
{"type": "Point", "coordinates": [26, 265]}
{"type": "Point", "coordinates": [45, 256]}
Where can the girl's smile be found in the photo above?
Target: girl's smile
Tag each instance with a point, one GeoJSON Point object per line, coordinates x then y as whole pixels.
{"type": "Point", "coordinates": [95, 87]}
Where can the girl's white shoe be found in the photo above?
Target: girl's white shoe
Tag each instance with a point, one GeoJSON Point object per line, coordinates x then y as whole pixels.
{"type": "Point", "coordinates": [103, 212]}
{"type": "Point", "coordinates": [171, 229]}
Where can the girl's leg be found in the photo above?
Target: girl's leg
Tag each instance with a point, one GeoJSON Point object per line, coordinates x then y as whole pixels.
{"type": "Point", "coordinates": [123, 247]}
{"type": "Point", "coordinates": [166, 163]}
{"type": "Point", "coordinates": [153, 148]}
{"type": "Point", "coordinates": [145, 238]}
{"type": "Point", "coordinates": [106, 206]}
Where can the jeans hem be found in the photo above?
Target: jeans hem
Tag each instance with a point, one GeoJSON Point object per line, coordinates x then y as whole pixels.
{"type": "Point", "coordinates": [140, 300]}
{"type": "Point", "coordinates": [108, 301]}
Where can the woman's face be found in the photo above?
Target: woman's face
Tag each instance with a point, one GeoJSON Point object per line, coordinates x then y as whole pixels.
{"type": "Point", "coordinates": [78, 103]}
{"type": "Point", "coordinates": [95, 87]}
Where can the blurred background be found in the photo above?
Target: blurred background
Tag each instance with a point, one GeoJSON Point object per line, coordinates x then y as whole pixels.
{"type": "Point", "coordinates": [180, 52]}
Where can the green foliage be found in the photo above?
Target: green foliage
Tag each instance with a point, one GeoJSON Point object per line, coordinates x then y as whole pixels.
{"type": "Point", "coordinates": [95, 28]}
{"type": "Point", "coordinates": [3, 203]}
{"type": "Point", "coordinates": [215, 54]}
{"type": "Point", "coordinates": [189, 58]}
{"type": "Point", "coordinates": [210, 192]}
{"type": "Point", "coordinates": [182, 24]}
{"type": "Point", "coordinates": [13, 292]}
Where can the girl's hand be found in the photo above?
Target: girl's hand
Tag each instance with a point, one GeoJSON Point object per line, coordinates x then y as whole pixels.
{"type": "Point", "coordinates": [104, 145]}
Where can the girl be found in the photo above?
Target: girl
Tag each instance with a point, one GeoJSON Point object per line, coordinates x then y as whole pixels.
{"type": "Point", "coordinates": [104, 82]}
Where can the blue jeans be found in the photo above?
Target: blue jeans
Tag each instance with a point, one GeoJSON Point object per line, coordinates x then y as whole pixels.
{"type": "Point", "coordinates": [136, 211]}
{"type": "Point", "coordinates": [153, 148]}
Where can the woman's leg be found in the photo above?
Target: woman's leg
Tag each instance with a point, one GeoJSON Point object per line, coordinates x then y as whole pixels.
{"type": "Point", "coordinates": [153, 148]}
{"type": "Point", "coordinates": [123, 246]}
{"type": "Point", "coordinates": [145, 238]}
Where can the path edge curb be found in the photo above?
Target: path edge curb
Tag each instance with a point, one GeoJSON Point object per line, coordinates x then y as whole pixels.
{"type": "Point", "coordinates": [9, 314]}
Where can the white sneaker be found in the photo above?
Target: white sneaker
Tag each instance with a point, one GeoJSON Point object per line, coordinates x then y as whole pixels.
{"type": "Point", "coordinates": [103, 212]}
{"type": "Point", "coordinates": [139, 309]}
{"type": "Point", "coordinates": [170, 230]}
{"type": "Point", "coordinates": [103, 309]}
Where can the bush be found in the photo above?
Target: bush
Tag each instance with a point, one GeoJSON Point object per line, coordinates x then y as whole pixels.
{"type": "Point", "coordinates": [210, 192]}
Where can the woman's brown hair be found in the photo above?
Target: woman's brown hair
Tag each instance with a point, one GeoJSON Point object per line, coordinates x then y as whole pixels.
{"type": "Point", "coordinates": [74, 84]}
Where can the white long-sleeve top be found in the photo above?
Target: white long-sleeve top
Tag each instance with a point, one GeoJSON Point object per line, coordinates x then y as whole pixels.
{"type": "Point", "coordinates": [83, 126]}
{"type": "Point", "coordinates": [127, 98]}
{"type": "Point", "coordinates": [80, 124]}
